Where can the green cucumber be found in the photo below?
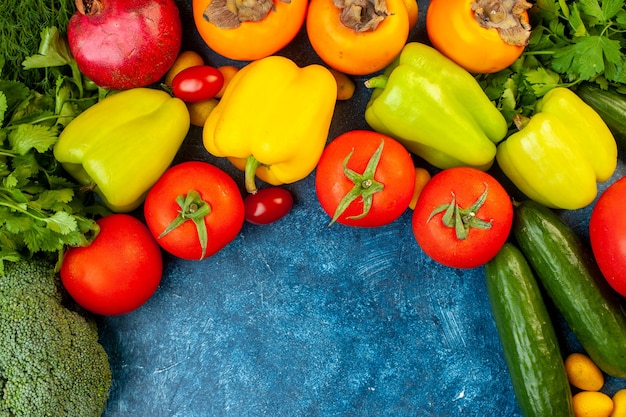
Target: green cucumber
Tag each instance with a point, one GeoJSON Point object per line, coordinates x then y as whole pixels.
{"type": "Point", "coordinates": [610, 105]}
{"type": "Point", "coordinates": [572, 279]}
{"type": "Point", "coordinates": [528, 339]}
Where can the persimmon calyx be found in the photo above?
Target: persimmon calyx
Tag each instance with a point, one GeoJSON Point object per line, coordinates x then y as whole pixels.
{"type": "Point", "coordinates": [365, 186]}
{"type": "Point", "coordinates": [507, 17]}
{"type": "Point", "coordinates": [230, 14]}
{"type": "Point", "coordinates": [362, 15]}
{"type": "Point", "coordinates": [462, 219]}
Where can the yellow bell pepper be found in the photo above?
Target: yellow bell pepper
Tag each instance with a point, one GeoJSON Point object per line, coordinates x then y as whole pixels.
{"type": "Point", "coordinates": [561, 153]}
{"type": "Point", "coordinates": [123, 144]}
{"type": "Point", "coordinates": [273, 120]}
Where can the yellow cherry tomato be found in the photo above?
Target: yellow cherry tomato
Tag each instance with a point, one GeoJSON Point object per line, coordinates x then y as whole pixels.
{"type": "Point", "coordinates": [345, 85]}
{"type": "Point", "coordinates": [422, 176]}
{"type": "Point", "coordinates": [592, 404]}
{"type": "Point", "coordinates": [228, 71]}
{"type": "Point", "coordinates": [185, 59]}
{"type": "Point", "coordinates": [583, 373]}
{"type": "Point", "coordinates": [619, 404]}
{"type": "Point", "coordinates": [200, 110]}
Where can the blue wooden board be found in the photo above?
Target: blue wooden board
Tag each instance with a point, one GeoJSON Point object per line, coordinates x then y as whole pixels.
{"type": "Point", "coordinates": [301, 319]}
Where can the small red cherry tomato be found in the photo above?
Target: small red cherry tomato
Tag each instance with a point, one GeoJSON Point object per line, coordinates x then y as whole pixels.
{"type": "Point", "coordinates": [267, 205]}
{"type": "Point", "coordinates": [197, 83]}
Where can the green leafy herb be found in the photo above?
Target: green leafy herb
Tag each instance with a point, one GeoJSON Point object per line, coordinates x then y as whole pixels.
{"type": "Point", "coordinates": [21, 22]}
{"type": "Point", "coordinates": [571, 42]}
{"type": "Point", "coordinates": [41, 208]}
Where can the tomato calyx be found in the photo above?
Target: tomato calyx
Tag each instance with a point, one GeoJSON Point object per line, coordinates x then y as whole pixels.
{"type": "Point", "coordinates": [365, 186]}
{"type": "Point", "coordinates": [462, 219]}
{"type": "Point", "coordinates": [362, 15]}
{"type": "Point", "coordinates": [194, 208]}
{"type": "Point", "coordinates": [507, 17]}
{"type": "Point", "coordinates": [230, 14]}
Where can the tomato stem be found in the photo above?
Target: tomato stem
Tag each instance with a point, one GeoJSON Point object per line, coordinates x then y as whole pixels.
{"type": "Point", "coordinates": [194, 208]}
{"type": "Point", "coordinates": [462, 220]}
{"type": "Point", "coordinates": [365, 186]}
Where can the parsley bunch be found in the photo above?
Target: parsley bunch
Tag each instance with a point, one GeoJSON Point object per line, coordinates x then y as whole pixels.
{"type": "Point", "coordinates": [571, 42]}
{"type": "Point", "coordinates": [41, 208]}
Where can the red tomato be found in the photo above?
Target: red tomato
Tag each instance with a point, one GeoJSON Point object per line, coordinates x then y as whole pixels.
{"type": "Point", "coordinates": [118, 272]}
{"type": "Point", "coordinates": [607, 232]}
{"type": "Point", "coordinates": [197, 83]}
{"type": "Point", "coordinates": [366, 192]}
{"type": "Point", "coordinates": [267, 205]}
{"type": "Point", "coordinates": [462, 218]}
{"type": "Point", "coordinates": [200, 204]}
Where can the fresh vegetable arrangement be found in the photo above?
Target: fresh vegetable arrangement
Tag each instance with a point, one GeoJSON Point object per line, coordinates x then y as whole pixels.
{"type": "Point", "coordinates": [91, 173]}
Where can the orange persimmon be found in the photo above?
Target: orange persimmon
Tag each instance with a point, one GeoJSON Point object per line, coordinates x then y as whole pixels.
{"type": "Point", "coordinates": [363, 50]}
{"type": "Point", "coordinates": [412, 9]}
{"type": "Point", "coordinates": [481, 36]}
{"type": "Point", "coordinates": [265, 28]}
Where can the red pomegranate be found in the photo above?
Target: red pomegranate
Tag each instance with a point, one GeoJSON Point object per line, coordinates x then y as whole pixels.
{"type": "Point", "coordinates": [122, 44]}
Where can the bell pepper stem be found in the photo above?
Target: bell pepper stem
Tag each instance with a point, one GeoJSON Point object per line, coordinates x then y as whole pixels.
{"type": "Point", "coordinates": [379, 81]}
{"type": "Point", "coordinates": [520, 121]}
{"type": "Point", "coordinates": [252, 164]}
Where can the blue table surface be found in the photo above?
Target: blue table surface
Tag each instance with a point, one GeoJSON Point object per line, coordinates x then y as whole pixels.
{"type": "Point", "coordinates": [301, 319]}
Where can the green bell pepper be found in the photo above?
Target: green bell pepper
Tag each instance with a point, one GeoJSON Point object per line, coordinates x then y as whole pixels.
{"type": "Point", "coordinates": [122, 145]}
{"type": "Point", "coordinates": [436, 109]}
{"type": "Point", "coordinates": [560, 154]}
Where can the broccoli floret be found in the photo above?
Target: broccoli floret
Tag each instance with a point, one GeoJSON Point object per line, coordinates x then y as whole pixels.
{"type": "Point", "coordinates": [51, 361]}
